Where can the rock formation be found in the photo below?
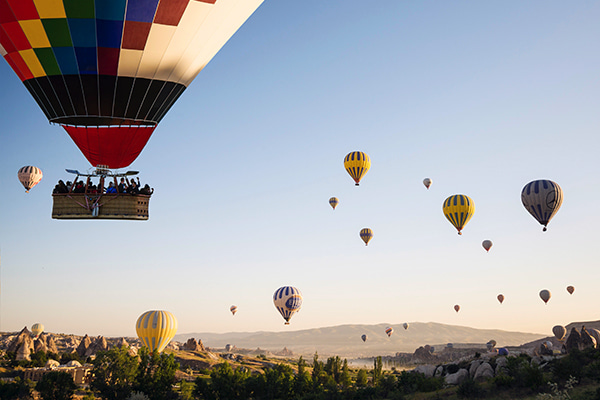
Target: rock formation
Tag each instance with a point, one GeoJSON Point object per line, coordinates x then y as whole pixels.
{"type": "Point", "coordinates": [192, 345]}
{"type": "Point", "coordinates": [99, 344]}
{"type": "Point", "coordinates": [423, 355]}
{"type": "Point", "coordinates": [484, 372]}
{"type": "Point", "coordinates": [22, 344]}
{"type": "Point", "coordinates": [457, 378]}
{"type": "Point", "coordinates": [587, 340]}
{"type": "Point", "coordinates": [39, 345]}
{"type": "Point", "coordinates": [579, 341]}
{"type": "Point", "coordinates": [122, 342]}
{"type": "Point", "coordinates": [83, 346]}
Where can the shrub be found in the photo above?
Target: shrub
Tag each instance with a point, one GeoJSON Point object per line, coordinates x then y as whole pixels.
{"type": "Point", "coordinates": [470, 389]}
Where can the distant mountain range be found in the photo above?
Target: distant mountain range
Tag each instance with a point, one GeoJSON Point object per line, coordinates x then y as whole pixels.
{"type": "Point", "coordinates": [346, 339]}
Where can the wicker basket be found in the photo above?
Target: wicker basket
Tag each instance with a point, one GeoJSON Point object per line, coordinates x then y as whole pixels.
{"type": "Point", "coordinates": [106, 206]}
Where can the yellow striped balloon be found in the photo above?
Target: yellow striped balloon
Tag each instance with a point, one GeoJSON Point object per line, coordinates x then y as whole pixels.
{"type": "Point", "coordinates": [366, 234]}
{"type": "Point", "coordinates": [357, 164]}
{"type": "Point", "coordinates": [333, 202]}
{"type": "Point", "coordinates": [155, 329]}
{"type": "Point", "coordinates": [459, 209]}
{"type": "Point", "coordinates": [37, 329]}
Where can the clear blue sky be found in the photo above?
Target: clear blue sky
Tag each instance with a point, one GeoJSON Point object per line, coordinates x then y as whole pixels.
{"type": "Point", "coordinates": [482, 97]}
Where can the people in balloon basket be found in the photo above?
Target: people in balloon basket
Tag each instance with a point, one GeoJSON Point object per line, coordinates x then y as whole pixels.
{"type": "Point", "coordinates": [125, 186]}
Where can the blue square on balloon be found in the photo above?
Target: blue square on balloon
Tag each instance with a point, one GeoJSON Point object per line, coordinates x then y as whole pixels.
{"type": "Point", "coordinates": [83, 32]}
{"type": "Point", "coordinates": [109, 33]}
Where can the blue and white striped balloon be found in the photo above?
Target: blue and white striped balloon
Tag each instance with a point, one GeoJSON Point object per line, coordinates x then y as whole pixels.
{"type": "Point", "coordinates": [287, 300]}
{"type": "Point", "coordinates": [542, 199]}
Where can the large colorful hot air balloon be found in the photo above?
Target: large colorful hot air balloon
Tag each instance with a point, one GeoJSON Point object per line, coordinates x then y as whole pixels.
{"type": "Point", "coordinates": [287, 300]}
{"type": "Point", "coordinates": [37, 329]}
{"type": "Point", "coordinates": [29, 176]}
{"type": "Point", "coordinates": [366, 234]}
{"type": "Point", "coordinates": [542, 199]}
{"type": "Point", "coordinates": [233, 309]}
{"type": "Point", "coordinates": [389, 330]}
{"type": "Point", "coordinates": [487, 245]}
{"type": "Point", "coordinates": [459, 209]}
{"type": "Point", "coordinates": [500, 298]}
{"type": "Point", "coordinates": [108, 71]}
{"type": "Point", "coordinates": [357, 164]}
{"type": "Point", "coordinates": [559, 332]}
{"type": "Point", "coordinates": [427, 182]}
{"type": "Point", "coordinates": [364, 338]}
{"type": "Point", "coordinates": [545, 295]}
{"type": "Point", "coordinates": [155, 329]}
{"type": "Point", "coordinates": [457, 308]}
{"type": "Point", "coordinates": [405, 325]}
{"type": "Point", "coordinates": [570, 289]}
{"type": "Point", "coordinates": [333, 202]}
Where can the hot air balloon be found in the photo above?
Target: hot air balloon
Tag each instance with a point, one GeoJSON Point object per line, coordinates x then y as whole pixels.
{"type": "Point", "coordinates": [357, 164]}
{"type": "Point", "coordinates": [542, 199]}
{"type": "Point", "coordinates": [108, 71]}
{"type": "Point", "coordinates": [457, 308]}
{"type": "Point", "coordinates": [427, 182]}
{"type": "Point", "coordinates": [364, 338]}
{"type": "Point", "coordinates": [389, 330]}
{"type": "Point", "coordinates": [503, 351]}
{"type": "Point", "coordinates": [405, 325]}
{"type": "Point", "coordinates": [233, 309]}
{"type": "Point", "coordinates": [490, 345]}
{"type": "Point", "coordinates": [155, 329]}
{"type": "Point", "coordinates": [487, 245]}
{"type": "Point", "coordinates": [500, 298]}
{"type": "Point", "coordinates": [545, 295]}
{"type": "Point", "coordinates": [570, 289]}
{"type": "Point", "coordinates": [287, 300]}
{"type": "Point", "coordinates": [559, 332]}
{"type": "Point", "coordinates": [366, 234]}
{"type": "Point", "coordinates": [29, 176]}
{"type": "Point", "coordinates": [458, 209]}
{"type": "Point", "coordinates": [333, 202]}
{"type": "Point", "coordinates": [450, 345]}
{"type": "Point", "coordinates": [37, 329]}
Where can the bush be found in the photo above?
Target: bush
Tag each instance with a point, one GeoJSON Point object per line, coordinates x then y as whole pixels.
{"type": "Point", "coordinates": [470, 389]}
{"type": "Point", "coordinates": [56, 385]}
{"type": "Point", "coordinates": [452, 368]}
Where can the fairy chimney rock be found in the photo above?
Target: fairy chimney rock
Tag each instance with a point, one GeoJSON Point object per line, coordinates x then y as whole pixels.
{"type": "Point", "coordinates": [83, 346]}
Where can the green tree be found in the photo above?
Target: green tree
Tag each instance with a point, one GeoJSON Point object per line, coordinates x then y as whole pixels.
{"type": "Point", "coordinates": [333, 367]}
{"type": "Point", "coordinates": [279, 382]}
{"type": "Point", "coordinates": [114, 373]}
{"type": "Point", "coordinates": [156, 375]}
{"type": "Point", "coordinates": [302, 380]}
{"type": "Point", "coordinates": [39, 359]}
{"type": "Point", "coordinates": [18, 389]}
{"type": "Point", "coordinates": [56, 385]}
{"type": "Point", "coordinates": [361, 378]}
{"type": "Point", "coordinates": [225, 383]}
{"type": "Point", "coordinates": [345, 379]}
{"type": "Point", "coordinates": [377, 370]}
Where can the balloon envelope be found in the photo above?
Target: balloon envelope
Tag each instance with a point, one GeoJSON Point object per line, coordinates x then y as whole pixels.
{"type": "Point", "coordinates": [233, 309]}
{"type": "Point", "coordinates": [287, 300]}
{"type": "Point", "coordinates": [570, 289]}
{"type": "Point", "coordinates": [427, 182]}
{"type": "Point", "coordinates": [458, 209]}
{"type": "Point", "coordinates": [545, 295]}
{"type": "Point", "coordinates": [155, 329]}
{"type": "Point", "coordinates": [364, 338]}
{"type": "Point", "coordinates": [487, 245]}
{"type": "Point", "coordinates": [542, 199]}
{"type": "Point", "coordinates": [405, 325]}
{"type": "Point", "coordinates": [559, 332]}
{"type": "Point", "coordinates": [29, 176]}
{"type": "Point", "coordinates": [333, 202]}
{"type": "Point", "coordinates": [366, 234]}
{"type": "Point", "coordinates": [503, 351]}
{"type": "Point", "coordinates": [37, 329]}
{"type": "Point", "coordinates": [389, 330]}
{"type": "Point", "coordinates": [457, 308]}
{"type": "Point", "coordinates": [357, 164]}
{"type": "Point", "coordinates": [500, 298]}
{"type": "Point", "coordinates": [109, 71]}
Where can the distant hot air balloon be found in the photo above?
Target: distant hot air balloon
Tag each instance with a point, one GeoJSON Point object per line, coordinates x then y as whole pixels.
{"type": "Point", "coordinates": [559, 332]}
{"type": "Point", "coordinates": [503, 351]}
{"type": "Point", "coordinates": [389, 330]}
{"type": "Point", "coordinates": [405, 325]}
{"type": "Point", "coordinates": [37, 329]}
{"type": "Point", "coordinates": [545, 295]}
{"type": "Point", "coordinates": [457, 308]}
{"type": "Point", "coordinates": [108, 71]}
{"type": "Point", "coordinates": [458, 209]}
{"type": "Point", "coordinates": [570, 289]}
{"type": "Point", "coordinates": [487, 245]}
{"type": "Point", "coordinates": [542, 199]}
{"type": "Point", "coordinates": [500, 298]}
{"type": "Point", "coordinates": [450, 345]}
{"type": "Point", "coordinates": [29, 176]}
{"type": "Point", "coordinates": [427, 182]}
{"type": "Point", "coordinates": [364, 338]}
{"type": "Point", "coordinates": [357, 164]}
{"type": "Point", "coordinates": [155, 329]}
{"type": "Point", "coordinates": [366, 234]}
{"type": "Point", "coordinates": [287, 300]}
{"type": "Point", "coordinates": [333, 202]}
{"type": "Point", "coordinates": [490, 345]}
{"type": "Point", "coordinates": [233, 309]}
